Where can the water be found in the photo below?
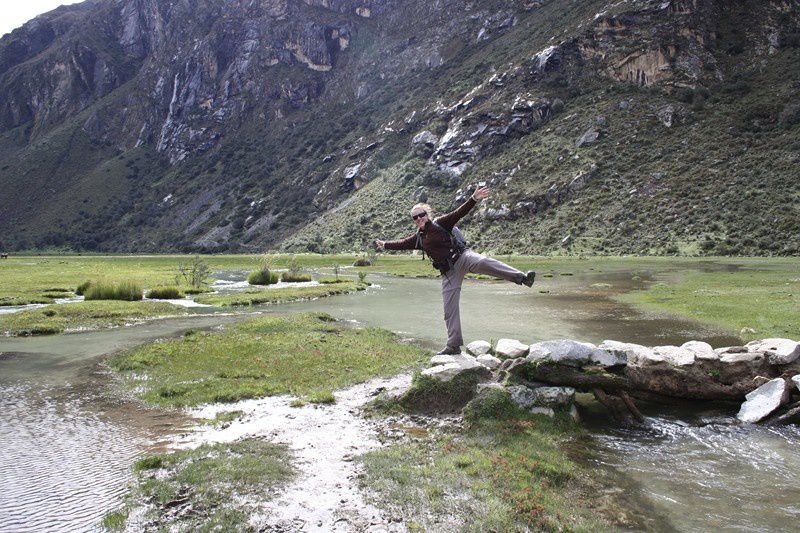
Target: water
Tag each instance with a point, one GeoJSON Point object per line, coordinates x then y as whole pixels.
{"type": "Point", "coordinates": [68, 444]}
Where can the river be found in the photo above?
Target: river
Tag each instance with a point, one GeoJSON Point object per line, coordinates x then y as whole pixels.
{"type": "Point", "coordinates": [68, 443]}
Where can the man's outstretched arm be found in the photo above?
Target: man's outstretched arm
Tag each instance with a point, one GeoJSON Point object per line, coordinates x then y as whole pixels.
{"type": "Point", "coordinates": [451, 219]}
{"type": "Point", "coordinates": [409, 243]}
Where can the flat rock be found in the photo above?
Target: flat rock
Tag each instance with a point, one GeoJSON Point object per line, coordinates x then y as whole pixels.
{"type": "Point", "coordinates": [567, 352]}
{"type": "Point", "coordinates": [479, 348]}
{"type": "Point", "coordinates": [764, 400]}
{"type": "Point", "coordinates": [634, 354]}
{"type": "Point", "coordinates": [547, 411]}
{"type": "Point", "coordinates": [554, 396]}
{"type": "Point", "coordinates": [443, 372]}
{"type": "Point", "coordinates": [779, 351]}
{"type": "Point", "coordinates": [489, 361]}
{"type": "Point", "coordinates": [510, 349]}
{"type": "Point", "coordinates": [739, 357]}
{"type": "Point", "coordinates": [442, 360]}
{"type": "Point", "coordinates": [675, 355]}
{"type": "Point", "coordinates": [701, 350]}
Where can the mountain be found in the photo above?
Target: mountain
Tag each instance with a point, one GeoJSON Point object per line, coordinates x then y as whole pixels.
{"type": "Point", "coordinates": [632, 126]}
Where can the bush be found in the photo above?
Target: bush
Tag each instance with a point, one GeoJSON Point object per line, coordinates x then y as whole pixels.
{"type": "Point", "coordinates": [82, 288]}
{"type": "Point", "coordinates": [292, 277]}
{"type": "Point", "coordinates": [164, 293]}
{"type": "Point", "coordinates": [362, 262]}
{"type": "Point", "coordinates": [127, 291]}
{"type": "Point", "coordinates": [262, 277]}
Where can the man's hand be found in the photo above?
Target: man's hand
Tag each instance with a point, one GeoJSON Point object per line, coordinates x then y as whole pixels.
{"type": "Point", "coordinates": [480, 193]}
{"type": "Point", "coordinates": [380, 245]}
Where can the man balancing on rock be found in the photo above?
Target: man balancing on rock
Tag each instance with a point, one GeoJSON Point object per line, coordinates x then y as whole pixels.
{"type": "Point", "coordinates": [451, 256]}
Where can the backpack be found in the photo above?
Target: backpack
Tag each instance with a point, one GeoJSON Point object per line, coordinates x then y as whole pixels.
{"type": "Point", "coordinates": [457, 246]}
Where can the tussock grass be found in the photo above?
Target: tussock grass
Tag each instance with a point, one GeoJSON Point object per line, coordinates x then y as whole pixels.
{"type": "Point", "coordinates": [282, 295]}
{"type": "Point", "coordinates": [83, 315]}
{"type": "Point", "coordinates": [294, 277]}
{"type": "Point", "coordinates": [164, 293]}
{"type": "Point", "coordinates": [262, 277]}
{"type": "Point", "coordinates": [103, 290]}
{"type": "Point", "coordinates": [306, 355]}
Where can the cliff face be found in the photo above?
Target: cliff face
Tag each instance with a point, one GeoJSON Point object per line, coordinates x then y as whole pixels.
{"type": "Point", "coordinates": [239, 124]}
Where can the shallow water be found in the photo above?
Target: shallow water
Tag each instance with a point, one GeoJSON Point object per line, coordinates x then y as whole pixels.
{"type": "Point", "coordinates": [69, 447]}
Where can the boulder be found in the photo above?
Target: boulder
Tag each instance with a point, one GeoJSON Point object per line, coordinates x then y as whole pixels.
{"type": "Point", "coordinates": [634, 354]}
{"type": "Point", "coordinates": [779, 351]}
{"type": "Point", "coordinates": [547, 411]}
{"type": "Point", "coordinates": [741, 357]}
{"type": "Point", "coordinates": [479, 348]}
{"type": "Point", "coordinates": [510, 349]}
{"type": "Point", "coordinates": [674, 355]}
{"type": "Point", "coordinates": [701, 350]}
{"type": "Point", "coordinates": [589, 137]}
{"type": "Point", "coordinates": [442, 360]}
{"type": "Point", "coordinates": [567, 352]}
{"type": "Point", "coordinates": [764, 400]}
{"type": "Point", "coordinates": [549, 397]}
{"type": "Point", "coordinates": [444, 372]}
{"type": "Point", "coordinates": [425, 137]}
{"type": "Point", "coordinates": [447, 370]}
{"type": "Point", "coordinates": [489, 361]}
{"type": "Point", "coordinates": [796, 381]}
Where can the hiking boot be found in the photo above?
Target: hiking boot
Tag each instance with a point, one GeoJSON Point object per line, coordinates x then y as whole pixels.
{"type": "Point", "coordinates": [449, 350]}
{"type": "Point", "coordinates": [528, 279]}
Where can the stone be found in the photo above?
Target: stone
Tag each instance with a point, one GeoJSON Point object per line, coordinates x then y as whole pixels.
{"type": "Point", "coordinates": [610, 357]}
{"type": "Point", "coordinates": [566, 352]}
{"type": "Point", "coordinates": [442, 360]}
{"type": "Point", "coordinates": [764, 400]}
{"type": "Point", "coordinates": [425, 138]}
{"type": "Point", "coordinates": [443, 372]}
{"type": "Point", "coordinates": [739, 357]}
{"type": "Point", "coordinates": [521, 395]}
{"type": "Point", "coordinates": [510, 349]}
{"type": "Point", "coordinates": [666, 115]}
{"type": "Point", "coordinates": [589, 137]}
{"type": "Point", "coordinates": [701, 350]}
{"type": "Point", "coordinates": [479, 348]}
{"type": "Point", "coordinates": [547, 411]}
{"type": "Point", "coordinates": [634, 354]}
{"type": "Point", "coordinates": [489, 361]}
{"type": "Point", "coordinates": [674, 355]}
{"type": "Point", "coordinates": [486, 387]}
{"type": "Point", "coordinates": [554, 396]}
{"type": "Point", "coordinates": [796, 381]}
{"type": "Point", "coordinates": [779, 351]}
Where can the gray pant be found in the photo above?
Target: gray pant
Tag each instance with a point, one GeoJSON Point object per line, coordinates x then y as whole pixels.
{"type": "Point", "coordinates": [451, 287]}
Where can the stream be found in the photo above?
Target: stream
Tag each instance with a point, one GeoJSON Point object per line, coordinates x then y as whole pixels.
{"type": "Point", "coordinates": [68, 444]}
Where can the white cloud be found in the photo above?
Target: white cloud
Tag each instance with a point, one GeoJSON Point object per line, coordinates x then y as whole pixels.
{"type": "Point", "coordinates": [18, 12]}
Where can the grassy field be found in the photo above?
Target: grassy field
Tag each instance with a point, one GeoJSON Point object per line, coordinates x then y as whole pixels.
{"type": "Point", "coordinates": [84, 315]}
{"type": "Point", "coordinates": [282, 295]}
{"type": "Point", "coordinates": [306, 355]}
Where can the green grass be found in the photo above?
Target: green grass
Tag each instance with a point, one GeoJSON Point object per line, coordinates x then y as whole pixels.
{"type": "Point", "coordinates": [293, 277]}
{"type": "Point", "coordinates": [262, 277]}
{"type": "Point", "coordinates": [83, 315]}
{"type": "Point", "coordinates": [306, 355]}
{"type": "Point", "coordinates": [510, 475]}
{"type": "Point", "coordinates": [164, 293]}
{"type": "Point", "coordinates": [102, 290]}
{"type": "Point", "coordinates": [282, 295]}
{"type": "Point", "coordinates": [222, 484]}
{"type": "Point", "coordinates": [762, 297]}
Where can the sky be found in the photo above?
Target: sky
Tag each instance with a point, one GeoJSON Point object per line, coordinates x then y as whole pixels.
{"type": "Point", "coordinates": [18, 12]}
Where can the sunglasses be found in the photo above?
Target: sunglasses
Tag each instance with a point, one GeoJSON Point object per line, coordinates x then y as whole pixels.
{"type": "Point", "coordinates": [419, 215]}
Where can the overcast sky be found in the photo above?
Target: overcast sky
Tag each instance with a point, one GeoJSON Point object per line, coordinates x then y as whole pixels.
{"type": "Point", "coordinates": [18, 12]}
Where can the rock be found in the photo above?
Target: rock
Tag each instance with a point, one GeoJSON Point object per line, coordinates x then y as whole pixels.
{"type": "Point", "coordinates": [764, 400]}
{"type": "Point", "coordinates": [444, 372]}
{"type": "Point", "coordinates": [701, 350]}
{"type": "Point", "coordinates": [632, 353]}
{"type": "Point", "coordinates": [674, 355]}
{"type": "Point", "coordinates": [479, 348]}
{"type": "Point", "coordinates": [510, 349]}
{"type": "Point", "coordinates": [666, 115]}
{"type": "Point", "coordinates": [779, 351]}
{"type": "Point", "coordinates": [547, 411]}
{"type": "Point", "coordinates": [566, 352]}
{"type": "Point", "coordinates": [550, 397]}
{"type": "Point", "coordinates": [796, 380]}
{"type": "Point", "coordinates": [589, 137]}
{"type": "Point", "coordinates": [608, 358]}
{"type": "Point", "coordinates": [425, 137]}
{"type": "Point", "coordinates": [489, 361]}
{"type": "Point", "coordinates": [442, 360]}
{"type": "Point", "coordinates": [741, 357]}
{"type": "Point", "coordinates": [624, 104]}
{"type": "Point", "coordinates": [486, 387]}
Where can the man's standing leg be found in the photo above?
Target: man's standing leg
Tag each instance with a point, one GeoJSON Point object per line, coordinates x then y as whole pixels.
{"type": "Point", "coordinates": [451, 297]}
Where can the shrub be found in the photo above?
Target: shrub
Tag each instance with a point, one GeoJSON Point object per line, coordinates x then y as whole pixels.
{"type": "Point", "coordinates": [262, 277]}
{"type": "Point", "coordinates": [127, 290]}
{"type": "Point", "coordinates": [291, 277]}
{"type": "Point", "coordinates": [82, 288]}
{"type": "Point", "coordinates": [164, 293]}
{"type": "Point", "coordinates": [362, 262]}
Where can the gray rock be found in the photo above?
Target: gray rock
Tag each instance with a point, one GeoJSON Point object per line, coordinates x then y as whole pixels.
{"type": "Point", "coordinates": [635, 354]}
{"type": "Point", "coordinates": [610, 357]}
{"type": "Point", "coordinates": [764, 400]}
{"type": "Point", "coordinates": [739, 357]}
{"type": "Point", "coordinates": [779, 351]}
{"type": "Point", "coordinates": [479, 348]}
{"type": "Point", "coordinates": [674, 355]}
{"type": "Point", "coordinates": [443, 372]}
{"type": "Point", "coordinates": [796, 380]}
{"type": "Point", "coordinates": [425, 137]}
{"type": "Point", "coordinates": [442, 360]}
{"type": "Point", "coordinates": [589, 137]}
{"type": "Point", "coordinates": [489, 361]}
{"type": "Point", "coordinates": [566, 352]}
{"type": "Point", "coordinates": [554, 396]}
{"type": "Point", "coordinates": [547, 411]}
{"type": "Point", "coordinates": [486, 387]}
{"type": "Point", "coordinates": [510, 349]}
{"type": "Point", "coordinates": [701, 350]}
{"type": "Point", "coordinates": [666, 115]}
{"type": "Point", "coordinates": [624, 104]}
{"type": "Point", "coordinates": [522, 396]}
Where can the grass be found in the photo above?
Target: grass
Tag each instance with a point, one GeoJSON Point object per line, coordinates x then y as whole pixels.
{"type": "Point", "coordinates": [262, 276]}
{"type": "Point", "coordinates": [83, 315]}
{"type": "Point", "coordinates": [306, 355]}
{"type": "Point", "coordinates": [282, 295]}
{"type": "Point", "coordinates": [510, 475]}
{"type": "Point", "coordinates": [102, 290]}
{"type": "Point", "coordinates": [212, 488]}
{"type": "Point", "coordinates": [293, 277]}
{"type": "Point", "coordinates": [164, 293]}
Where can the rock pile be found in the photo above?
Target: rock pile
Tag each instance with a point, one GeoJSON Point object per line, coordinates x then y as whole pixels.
{"type": "Point", "coordinates": [543, 377]}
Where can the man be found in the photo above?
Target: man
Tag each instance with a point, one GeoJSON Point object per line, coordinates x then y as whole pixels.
{"type": "Point", "coordinates": [435, 238]}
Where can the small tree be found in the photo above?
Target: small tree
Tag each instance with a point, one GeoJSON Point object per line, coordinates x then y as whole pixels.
{"type": "Point", "coordinates": [194, 273]}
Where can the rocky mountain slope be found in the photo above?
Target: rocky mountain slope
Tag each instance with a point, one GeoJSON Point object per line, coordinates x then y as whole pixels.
{"type": "Point", "coordinates": [614, 127]}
